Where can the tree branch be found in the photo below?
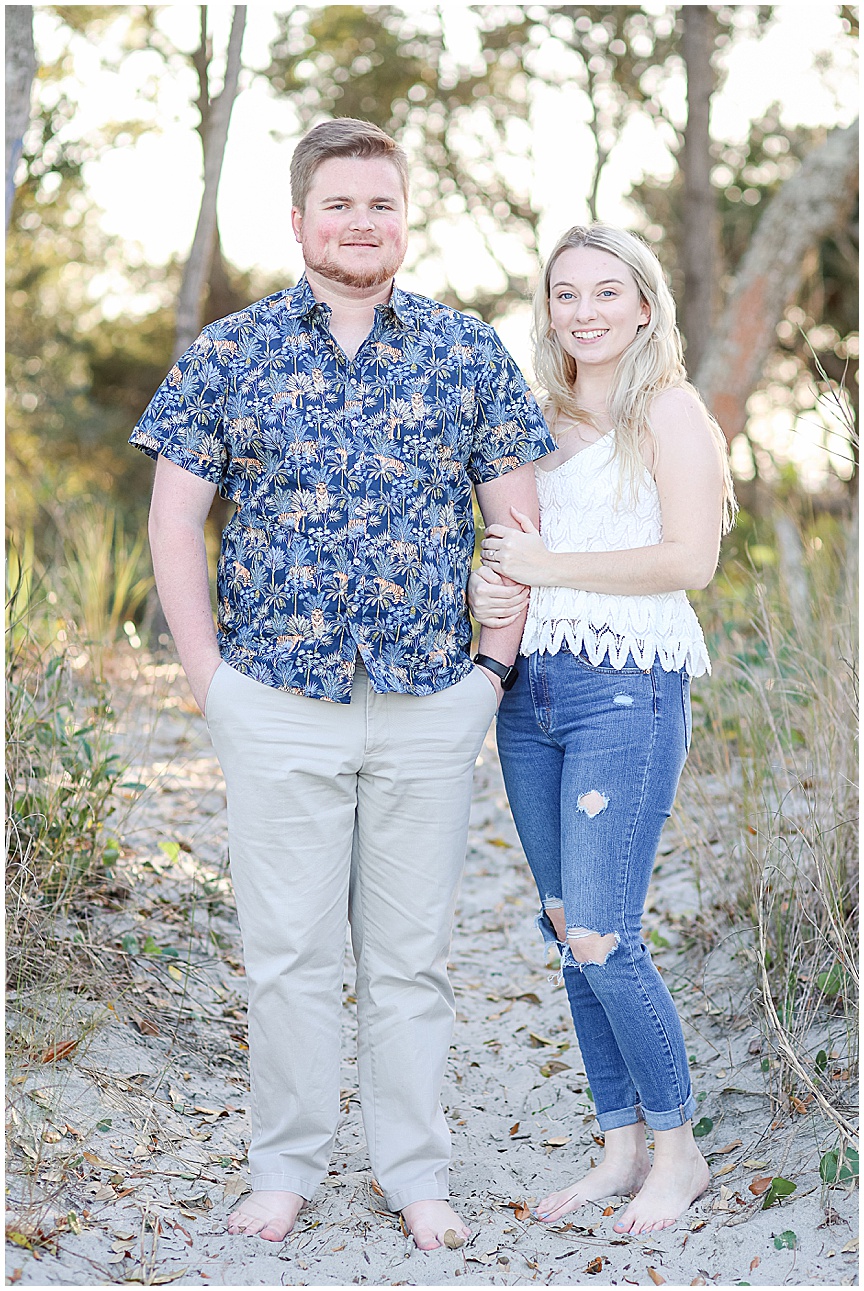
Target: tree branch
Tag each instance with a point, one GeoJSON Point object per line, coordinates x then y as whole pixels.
{"type": "Point", "coordinates": [817, 198]}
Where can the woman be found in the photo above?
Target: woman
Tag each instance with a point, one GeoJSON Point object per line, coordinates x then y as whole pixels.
{"type": "Point", "coordinates": [594, 733]}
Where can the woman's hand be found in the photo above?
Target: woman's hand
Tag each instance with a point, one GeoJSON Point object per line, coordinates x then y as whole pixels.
{"type": "Point", "coordinates": [517, 553]}
{"type": "Point", "coordinates": [495, 602]}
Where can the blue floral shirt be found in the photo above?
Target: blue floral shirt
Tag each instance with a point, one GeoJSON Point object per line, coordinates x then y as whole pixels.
{"type": "Point", "coordinates": [352, 480]}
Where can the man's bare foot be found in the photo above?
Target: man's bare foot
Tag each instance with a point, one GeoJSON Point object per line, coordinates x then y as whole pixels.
{"type": "Point", "coordinates": [678, 1176]}
{"type": "Point", "coordinates": [623, 1170]}
{"type": "Point", "coordinates": [428, 1221]}
{"type": "Point", "coordinates": [270, 1215]}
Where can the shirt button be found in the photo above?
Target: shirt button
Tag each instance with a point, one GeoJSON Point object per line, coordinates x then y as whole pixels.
{"type": "Point", "coordinates": [355, 561]}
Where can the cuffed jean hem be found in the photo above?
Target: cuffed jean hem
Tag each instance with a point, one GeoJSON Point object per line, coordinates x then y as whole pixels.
{"type": "Point", "coordinates": [402, 1197]}
{"type": "Point", "coordinates": [671, 1120]}
{"type": "Point", "coordinates": [618, 1119]}
{"type": "Point", "coordinates": [283, 1183]}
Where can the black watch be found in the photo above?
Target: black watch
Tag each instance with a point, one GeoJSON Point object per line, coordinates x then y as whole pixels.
{"type": "Point", "coordinates": [508, 672]}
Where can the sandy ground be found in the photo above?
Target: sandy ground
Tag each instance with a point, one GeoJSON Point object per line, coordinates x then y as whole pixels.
{"type": "Point", "coordinates": [126, 1155]}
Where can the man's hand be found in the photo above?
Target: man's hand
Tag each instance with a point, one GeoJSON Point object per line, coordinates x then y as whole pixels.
{"type": "Point", "coordinates": [200, 675]}
{"type": "Point", "coordinates": [495, 680]}
{"type": "Point", "coordinates": [496, 602]}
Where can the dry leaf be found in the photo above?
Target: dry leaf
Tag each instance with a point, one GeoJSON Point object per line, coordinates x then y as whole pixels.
{"type": "Point", "coordinates": [145, 1026]}
{"type": "Point", "coordinates": [610, 1210]}
{"type": "Point", "coordinates": [514, 1129]}
{"type": "Point", "coordinates": [537, 1041]}
{"type": "Point", "coordinates": [557, 1142]}
{"type": "Point", "coordinates": [596, 1266]}
{"type": "Point", "coordinates": [752, 1164]}
{"type": "Point", "coordinates": [850, 1246]}
{"type": "Point", "coordinates": [97, 1161]}
{"type": "Point", "coordinates": [452, 1240]}
{"type": "Point", "coordinates": [730, 1147]}
{"type": "Point", "coordinates": [521, 1209]}
{"type": "Point", "coordinates": [174, 971]}
{"type": "Point", "coordinates": [698, 1282]}
{"type": "Point", "coordinates": [379, 1192]}
{"type": "Point", "coordinates": [726, 1169]}
{"type": "Point", "coordinates": [552, 1068]}
{"type": "Point", "coordinates": [235, 1187]}
{"type": "Point", "coordinates": [655, 1277]}
{"type": "Point", "coordinates": [758, 1186]}
{"type": "Point", "coordinates": [52, 1136]}
{"type": "Point", "coordinates": [60, 1050]}
{"type": "Point", "coordinates": [696, 1225]}
{"type": "Point", "coordinates": [755, 1262]}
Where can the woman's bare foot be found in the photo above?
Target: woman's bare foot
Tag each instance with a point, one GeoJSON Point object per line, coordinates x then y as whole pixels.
{"type": "Point", "coordinates": [624, 1169]}
{"type": "Point", "coordinates": [678, 1176]}
{"type": "Point", "coordinates": [270, 1215]}
{"type": "Point", "coordinates": [428, 1221]}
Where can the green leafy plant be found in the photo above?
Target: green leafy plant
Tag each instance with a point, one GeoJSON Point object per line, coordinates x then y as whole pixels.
{"type": "Point", "coordinates": [839, 1167]}
{"type": "Point", "coordinates": [777, 1189]}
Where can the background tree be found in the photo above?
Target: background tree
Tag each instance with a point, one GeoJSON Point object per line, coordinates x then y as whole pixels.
{"type": "Point", "coordinates": [20, 70]}
{"type": "Point", "coordinates": [215, 115]}
{"type": "Point", "coordinates": [465, 127]}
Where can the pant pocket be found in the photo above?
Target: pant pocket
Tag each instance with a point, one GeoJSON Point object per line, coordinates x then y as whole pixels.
{"type": "Point", "coordinates": [215, 680]}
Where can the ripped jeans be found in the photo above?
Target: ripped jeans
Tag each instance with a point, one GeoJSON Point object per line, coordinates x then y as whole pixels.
{"type": "Point", "coordinates": [591, 759]}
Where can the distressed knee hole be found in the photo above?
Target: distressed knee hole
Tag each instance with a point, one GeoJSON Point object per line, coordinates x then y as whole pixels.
{"type": "Point", "coordinates": [589, 947]}
{"type": "Point", "coordinates": [592, 803]}
{"type": "Point", "coordinates": [554, 908]}
{"type": "Point", "coordinates": [624, 700]}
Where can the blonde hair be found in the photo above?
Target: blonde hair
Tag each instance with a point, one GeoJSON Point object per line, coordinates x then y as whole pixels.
{"type": "Point", "coordinates": [652, 362]}
{"type": "Point", "coordinates": [344, 137]}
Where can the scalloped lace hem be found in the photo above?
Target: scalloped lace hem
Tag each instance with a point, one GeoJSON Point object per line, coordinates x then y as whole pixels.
{"type": "Point", "coordinates": [602, 644]}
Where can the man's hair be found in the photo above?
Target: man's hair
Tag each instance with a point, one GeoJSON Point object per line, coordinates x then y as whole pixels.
{"type": "Point", "coordinates": [344, 137]}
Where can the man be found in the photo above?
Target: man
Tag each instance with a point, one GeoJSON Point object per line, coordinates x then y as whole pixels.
{"type": "Point", "coordinates": [347, 420]}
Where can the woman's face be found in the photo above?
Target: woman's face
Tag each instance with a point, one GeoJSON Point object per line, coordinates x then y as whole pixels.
{"type": "Point", "coordinates": [595, 306]}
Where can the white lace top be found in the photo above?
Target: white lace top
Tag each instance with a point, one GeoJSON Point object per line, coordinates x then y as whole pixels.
{"type": "Point", "coordinates": [580, 511]}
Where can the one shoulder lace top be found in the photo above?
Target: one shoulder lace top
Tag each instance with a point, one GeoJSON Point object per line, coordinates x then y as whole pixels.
{"type": "Point", "coordinates": [584, 508]}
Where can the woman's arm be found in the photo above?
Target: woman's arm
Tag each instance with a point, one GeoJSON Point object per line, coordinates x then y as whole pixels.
{"type": "Point", "coordinates": [689, 475]}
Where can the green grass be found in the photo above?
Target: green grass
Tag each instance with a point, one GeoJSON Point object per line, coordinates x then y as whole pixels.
{"type": "Point", "coordinates": [769, 799]}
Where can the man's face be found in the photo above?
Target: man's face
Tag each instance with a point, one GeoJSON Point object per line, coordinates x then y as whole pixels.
{"type": "Point", "coordinates": [353, 229]}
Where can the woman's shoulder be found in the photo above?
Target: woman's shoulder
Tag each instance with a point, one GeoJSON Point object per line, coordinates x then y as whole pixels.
{"type": "Point", "coordinates": [675, 403]}
{"type": "Point", "coordinates": [679, 411]}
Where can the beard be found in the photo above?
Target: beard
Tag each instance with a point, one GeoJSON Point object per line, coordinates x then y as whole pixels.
{"type": "Point", "coordinates": [375, 276]}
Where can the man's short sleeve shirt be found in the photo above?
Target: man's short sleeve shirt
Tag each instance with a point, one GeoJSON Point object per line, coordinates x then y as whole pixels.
{"type": "Point", "coordinates": [352, 482]}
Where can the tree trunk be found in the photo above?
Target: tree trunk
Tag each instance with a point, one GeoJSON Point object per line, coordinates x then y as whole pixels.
{"type": "Point", "coordinates": [701, 239]}
{"type": "Point", "coordinates": [196, 273]}
{"type": "Point", "coordinates": [816, 200]}
{"type": "Point", "coordinates": [216, 116]}
{"type": "Point", "coordinates": [20, 70]}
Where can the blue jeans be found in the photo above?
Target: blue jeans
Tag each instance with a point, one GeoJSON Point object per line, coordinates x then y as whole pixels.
{"type": "Point", "coordinates": [591, 759]}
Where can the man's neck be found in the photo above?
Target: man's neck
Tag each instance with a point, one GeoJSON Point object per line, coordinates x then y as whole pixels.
{"type": "Point", "coordinates": [352, 308]}
{"type": "Point", "coordinates": [348, 301]}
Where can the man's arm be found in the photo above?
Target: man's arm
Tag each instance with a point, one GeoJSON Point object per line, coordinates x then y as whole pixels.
{"type": "Point", "coordinates": [495, 498]}
{"type": "Point", "coordinates": [178, 509]}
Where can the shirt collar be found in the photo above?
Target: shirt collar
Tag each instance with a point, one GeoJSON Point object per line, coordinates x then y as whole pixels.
{"type": "Point", "coordinates": [301, 302]}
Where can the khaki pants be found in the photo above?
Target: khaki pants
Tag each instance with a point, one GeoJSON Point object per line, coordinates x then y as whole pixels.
{"type": "Point", "coordinates": [348, 812]}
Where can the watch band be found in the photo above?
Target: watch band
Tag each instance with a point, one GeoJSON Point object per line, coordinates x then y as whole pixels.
{"type": "Point", "coordinates": [507, 672]}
